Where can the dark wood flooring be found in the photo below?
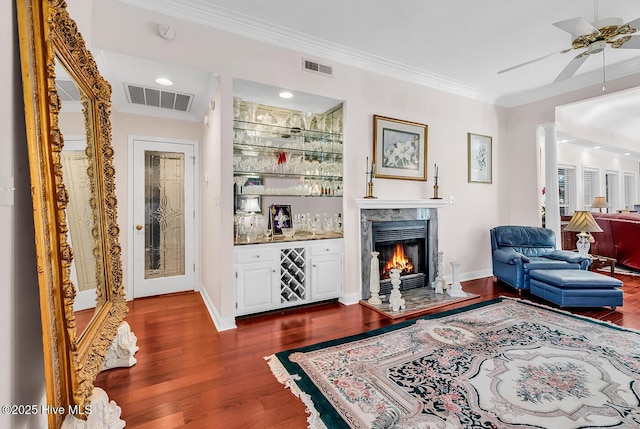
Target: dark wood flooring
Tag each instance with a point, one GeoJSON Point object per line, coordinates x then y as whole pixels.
{"type": "Point", "coordinates": [189, 375]}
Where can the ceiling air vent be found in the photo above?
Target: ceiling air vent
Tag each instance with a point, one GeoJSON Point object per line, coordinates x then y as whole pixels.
{"type": "Point", "coordinates": [67, 90]}
{"type": "Point", "coordinates": [158, 98]}
{"type": "Point", "coordinates": [317, 67]}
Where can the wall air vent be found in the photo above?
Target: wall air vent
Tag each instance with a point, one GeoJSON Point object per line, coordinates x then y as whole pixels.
{"type": "Point", "coordinates": [137, 94]}
{"type": "Point", "coordinates": [317, 67]}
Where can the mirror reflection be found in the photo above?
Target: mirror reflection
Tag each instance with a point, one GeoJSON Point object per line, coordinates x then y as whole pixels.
{"type": "Point", "coordinates": [79, 174]}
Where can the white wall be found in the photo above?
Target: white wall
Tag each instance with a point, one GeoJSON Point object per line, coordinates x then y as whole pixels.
{"type": "Point", "coordinates": [21, 357]}
{"type": "Point", "coordinates": [463, 227]}
{"type": "Point", "coordinates": [449, 118]}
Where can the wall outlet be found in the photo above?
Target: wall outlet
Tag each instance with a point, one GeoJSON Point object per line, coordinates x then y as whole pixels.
{"type": "Point", "coordinates": [452, 199]}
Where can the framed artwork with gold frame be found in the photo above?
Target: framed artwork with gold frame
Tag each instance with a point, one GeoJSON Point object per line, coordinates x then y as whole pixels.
{"type": "Point", "coordinates": [399, 149]}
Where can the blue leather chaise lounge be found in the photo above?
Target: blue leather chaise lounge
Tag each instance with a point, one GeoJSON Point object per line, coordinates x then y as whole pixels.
{"type": "Point", "coordinates": [517, 250]}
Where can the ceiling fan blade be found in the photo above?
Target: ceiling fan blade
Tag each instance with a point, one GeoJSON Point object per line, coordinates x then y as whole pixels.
{"type": "Point", "coordinates": [632, 43]}
{"type": "Point", "coordinates": [577, 27]}
{"type": "Point", "coordinates": [572, 67]}
{"type": "Point", "coordinates": [564, 51]}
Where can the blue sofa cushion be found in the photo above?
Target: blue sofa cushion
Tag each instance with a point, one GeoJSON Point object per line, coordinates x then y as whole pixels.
{"type": "Point", "coordinates": [576, 279]}
{"type": "Point", "coordinates": [530, 241]}
{"type": "Point", "coordinates": [566, 255]}
{"type": "Point", "coordinates": [542, 263]}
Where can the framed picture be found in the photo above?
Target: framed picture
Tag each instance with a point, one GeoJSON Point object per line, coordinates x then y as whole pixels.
{"type": "Point", "coordinates": [247, 202]}
{"type": "Point", "coordinates": [479, 157]}
{"type": "Point", "coordinates": [399, 149]}
{"type": "Point", "coordinates": [279, 217]}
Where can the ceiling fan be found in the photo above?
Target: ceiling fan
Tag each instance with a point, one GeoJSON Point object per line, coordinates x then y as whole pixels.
{"type": "Point", "coordinates": [593, 38]}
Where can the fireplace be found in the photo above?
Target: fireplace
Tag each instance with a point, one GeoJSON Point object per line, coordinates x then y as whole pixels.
{"type": "Point", "coordinates": [402, 245]}
{"type": "Point", "coordinates": [420, 225]}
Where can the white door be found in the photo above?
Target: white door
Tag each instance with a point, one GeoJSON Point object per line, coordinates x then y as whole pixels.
{"type": "Point", "coordinates": [163, 217]}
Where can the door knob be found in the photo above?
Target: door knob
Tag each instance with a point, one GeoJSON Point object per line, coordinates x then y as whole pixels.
{"type": "Point", "coordinates": [139, 227]}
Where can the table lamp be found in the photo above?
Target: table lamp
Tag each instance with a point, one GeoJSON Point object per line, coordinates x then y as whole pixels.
{"type": "Point", "coordinates": [599, 203]}
{"type": "Point", "coordinates": [583, 223]}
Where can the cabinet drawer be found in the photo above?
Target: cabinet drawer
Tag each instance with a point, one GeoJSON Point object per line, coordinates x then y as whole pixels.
{"type": "Point", "coordinates": [256, 255]}
{"type": "Point", "coordinates": [326, 248]}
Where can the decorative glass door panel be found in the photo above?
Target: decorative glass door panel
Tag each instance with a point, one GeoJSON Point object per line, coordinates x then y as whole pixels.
{"type": "Point", "coordinates": [163, 209]}
{"type": "Point", "coordinates": [164, 214]}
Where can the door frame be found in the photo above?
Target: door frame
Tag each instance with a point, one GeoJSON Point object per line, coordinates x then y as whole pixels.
{"type": "Point", "coordinates": [130, 220]}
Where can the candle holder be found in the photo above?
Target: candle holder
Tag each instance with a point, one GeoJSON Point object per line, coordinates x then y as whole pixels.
{"type": "Point", "coordinates": [370, 190]}
{"type": "Point", "coordinates": [435, 193]}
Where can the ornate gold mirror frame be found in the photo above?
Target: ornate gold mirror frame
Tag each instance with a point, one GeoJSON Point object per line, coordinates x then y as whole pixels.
{"type": "Point", "coordinates": [48, 35]}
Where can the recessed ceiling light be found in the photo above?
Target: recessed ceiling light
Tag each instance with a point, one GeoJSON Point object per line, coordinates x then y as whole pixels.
{"type": "Point", "coordinates": [596, 147]}
{"type": "Point", "coordinates": [164, 81]}
{"type": "Point", "coordinates": [627, 153]}
{"type": "Point", "coordinates": [285, 94]}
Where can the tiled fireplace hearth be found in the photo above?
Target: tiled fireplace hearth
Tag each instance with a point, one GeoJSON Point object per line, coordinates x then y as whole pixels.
{"type": "Point", "coordinates": [414, 222]}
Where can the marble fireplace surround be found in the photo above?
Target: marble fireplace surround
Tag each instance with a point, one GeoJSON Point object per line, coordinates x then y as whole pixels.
{"type": "Point", "coordinates": [379, 210]}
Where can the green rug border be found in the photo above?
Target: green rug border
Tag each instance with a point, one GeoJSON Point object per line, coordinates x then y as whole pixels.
{"type": "Point", "coordinates": [327, 413]}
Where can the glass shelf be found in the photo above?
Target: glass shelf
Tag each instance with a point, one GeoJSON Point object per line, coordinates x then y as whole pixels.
{"type": "Point", "coordinates": [288, 175]}
{"type": "Point", "coordinates": [255, 129]}
{"type": "Point", "coordinates": [314, 154]}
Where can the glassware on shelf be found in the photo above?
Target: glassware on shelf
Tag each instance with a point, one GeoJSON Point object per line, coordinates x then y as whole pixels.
{"type": "Point", "coordinates": [249, 112]}
{"type": "Point", "coordinates": [307, 119]}
{"type": "Point", "coordinates": [267, 234]}
{"type": "Point", "coordinates": [281, 116]}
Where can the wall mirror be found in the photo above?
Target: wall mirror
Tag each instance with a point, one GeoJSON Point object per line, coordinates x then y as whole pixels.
{"type": "Point", "coordinates": [72, 185]}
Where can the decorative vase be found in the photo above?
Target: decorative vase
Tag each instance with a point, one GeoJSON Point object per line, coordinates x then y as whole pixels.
{"type": "Point", "coordinates": [396, 302]}
{"type": "Point", "coordinates": [374, 280]}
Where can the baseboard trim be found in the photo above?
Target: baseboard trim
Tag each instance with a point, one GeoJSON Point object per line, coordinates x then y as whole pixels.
{"type": "Point", "coordinates": [221, 324]}
{"type": "Point", "coordinates": [350, 298]}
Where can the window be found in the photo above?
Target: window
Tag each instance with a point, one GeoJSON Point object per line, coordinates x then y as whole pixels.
{"type": "Point", "coordinates": [590, 186]}
{"type": "Point", "coordinates": [567, 188]}
{"type": "Point", "coordinates": [612, 190]}
{"type": "Point", "coordinates": [629, 191]}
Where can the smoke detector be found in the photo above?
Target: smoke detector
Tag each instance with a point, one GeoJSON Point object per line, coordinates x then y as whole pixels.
{"type": "Point", "coordinates": [166, 31]}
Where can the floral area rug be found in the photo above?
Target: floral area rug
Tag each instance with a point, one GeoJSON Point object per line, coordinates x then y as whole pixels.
{"type": "Point", "coordinates": [504, 363]}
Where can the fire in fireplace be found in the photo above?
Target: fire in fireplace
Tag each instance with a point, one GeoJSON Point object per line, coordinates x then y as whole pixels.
{"type": "Point", "coordinates": [402, 245]}
{"type": "Point", "coordinates": [398, 260]}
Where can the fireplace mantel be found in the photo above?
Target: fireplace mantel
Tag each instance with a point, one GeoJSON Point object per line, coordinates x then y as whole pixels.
{"type": "Point", "coordinates": [376, 203]}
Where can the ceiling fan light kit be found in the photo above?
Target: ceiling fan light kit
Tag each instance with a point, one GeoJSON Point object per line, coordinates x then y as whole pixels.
{"type": "Point", "coordinates": [594, 38]}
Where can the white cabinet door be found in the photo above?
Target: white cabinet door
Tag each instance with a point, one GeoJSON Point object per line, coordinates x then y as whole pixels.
{"type": "Point", "coordinates": [257, 285]}
{"type": "Point", "coordinates": [326, 276]}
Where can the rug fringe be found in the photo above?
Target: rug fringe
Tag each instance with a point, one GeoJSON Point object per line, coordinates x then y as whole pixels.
{"type": "Point", "coordinates": [289, 382]}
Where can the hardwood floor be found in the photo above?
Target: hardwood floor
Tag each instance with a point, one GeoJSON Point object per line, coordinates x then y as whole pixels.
{"type": "Point", "coordinates": [189, 375]}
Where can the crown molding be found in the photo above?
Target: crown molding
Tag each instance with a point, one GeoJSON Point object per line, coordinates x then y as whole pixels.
{"type": "Point", "coordinates": [204, 13]}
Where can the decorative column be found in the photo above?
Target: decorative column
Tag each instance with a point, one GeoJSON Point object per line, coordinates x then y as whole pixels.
{"type": "Point", "coordinates": [396, 302]}
{"type": "Point", "coordinates": [438, 283]}
{"type": "Point", "coordinates": [374, 280]}
{"type": "Point", "coordinates": [456, 288]}
{"type": "Point", "coordinates": [552, 199]}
